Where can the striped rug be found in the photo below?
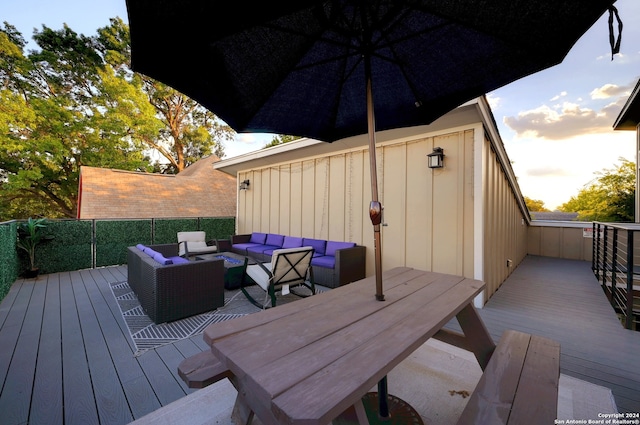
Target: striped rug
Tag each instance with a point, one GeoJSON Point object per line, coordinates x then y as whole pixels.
{"type": "Point", "coordinates": [146, 335]}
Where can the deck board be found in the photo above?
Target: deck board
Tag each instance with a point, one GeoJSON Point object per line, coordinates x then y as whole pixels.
{"type": "Point", "coordinates": [20, 377]}
{"type": "Point", "coordinates": [46, 404]}
{"type": "Point", "coordinates": [78, 391]}
{"type": "Point", "coordinates": [67, 357]}
{"type": "Point", "coordinates": [110, 399]}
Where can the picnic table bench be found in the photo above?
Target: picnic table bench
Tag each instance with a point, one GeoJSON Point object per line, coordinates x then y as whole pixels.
{"type": "Point", "coordinates": [519, 385]}
{"type": "Point", "coordinates": [289, 367]}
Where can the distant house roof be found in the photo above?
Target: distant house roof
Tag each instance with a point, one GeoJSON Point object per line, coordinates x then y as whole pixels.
{"type": "Point", "coordinates": [554, 215]}
{"type": "Point", "coordinates": [197, 191]}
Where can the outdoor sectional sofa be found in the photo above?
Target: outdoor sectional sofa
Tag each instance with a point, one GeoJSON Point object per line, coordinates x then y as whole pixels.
{"type": "Point", "coordinates": [170, 287]}
{"type": "Point", "coordinates": [334, 263]}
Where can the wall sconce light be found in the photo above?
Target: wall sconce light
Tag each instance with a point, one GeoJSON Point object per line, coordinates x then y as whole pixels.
{"type": "Point", "coordinates": [436, 158]}
{"type": "Point", "coordinates": [244, 185]}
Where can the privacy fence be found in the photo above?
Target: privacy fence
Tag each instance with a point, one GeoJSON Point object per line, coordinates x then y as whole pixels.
{"type": "Point", "coordinates": [84, 244]}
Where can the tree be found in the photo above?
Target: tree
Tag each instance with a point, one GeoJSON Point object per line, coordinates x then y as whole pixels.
{"type": "Point", "coordinates": [610, 198]}
{"type": "Point", "coordinates": [77, 102]}
{"type": "Point", "coordinates": [535, 205]}
{"type": "Point", "coordinates": [60, 108]}
{"type": "Point", "coordinates": [189, 131]}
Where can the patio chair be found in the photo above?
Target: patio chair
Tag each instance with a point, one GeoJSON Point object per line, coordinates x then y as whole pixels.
{"type": "Point", "coordinates": [289, 267]}
{"type": "Point", "coordinates": [194, 243]}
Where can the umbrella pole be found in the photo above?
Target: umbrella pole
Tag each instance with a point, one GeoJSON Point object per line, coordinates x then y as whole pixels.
{"type": "Point", "coordinates": [375, 208]}
{"type": "Point", "coordinates": [375, 213]}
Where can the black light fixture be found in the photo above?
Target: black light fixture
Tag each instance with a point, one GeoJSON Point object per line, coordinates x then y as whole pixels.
{"type": "Point", "coordinates": [244, 185]}
{"type": "Point", "coordinates": [436, 158]}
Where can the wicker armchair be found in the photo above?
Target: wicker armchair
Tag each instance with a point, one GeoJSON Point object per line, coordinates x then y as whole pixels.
{"type": "Point", "coordinates": [175, 291]}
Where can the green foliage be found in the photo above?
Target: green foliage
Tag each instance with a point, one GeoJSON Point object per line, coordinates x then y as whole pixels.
{"type": "Point", "coordinates": [62, 107]}
{"type": "Point", "coordinates": [113, 238]}
{"type": "Point", "coordinates": [30, 234]}
{"type": "Point", "coordinates": [189, 131]}
{"type": "Point", "coordinates": [218, 228]}
{"type": "Point", "coordinates": [610, 198]}
{"type": "Point", "coordinates": [8, 257]}
{"type": "Point", "coordinates": [535, 205]}
{"type": "Point", "coordinates": [166, 231]}
{"type": "Point", "coordinates": [71, 247]}
{"type": "Point", "coordinates": [76, 102]}
{"type": "Point", "coordinates": [280, 140]}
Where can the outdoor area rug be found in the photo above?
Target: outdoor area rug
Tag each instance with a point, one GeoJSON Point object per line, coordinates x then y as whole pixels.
{"type": "Point", "coordinates": [146, 335]}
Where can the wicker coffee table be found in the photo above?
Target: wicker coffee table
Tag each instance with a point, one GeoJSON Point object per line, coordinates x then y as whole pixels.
{"type": "Point", "coordinates": [233, 265]}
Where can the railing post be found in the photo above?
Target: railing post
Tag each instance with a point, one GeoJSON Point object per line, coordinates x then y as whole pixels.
{"type": "Point", "coordinates": [629, 315]}
{"type": "Point", "coordinates": [595, 250]}
{"type": "Point", "coordinates": [605, 233]}
{"type": "Point", "coordinates": [614, 264]}
{"type": "Point", "coordinates": [94, 244]}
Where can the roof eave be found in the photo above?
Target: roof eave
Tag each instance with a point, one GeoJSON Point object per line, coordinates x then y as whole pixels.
{"type": "Point", "coordinates": [629, 117]}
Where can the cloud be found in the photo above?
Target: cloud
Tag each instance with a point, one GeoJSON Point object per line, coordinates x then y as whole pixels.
{"type": "Point", "coordinates": [494, 101]}
{"type": "Point", "coordinates": [547, 172]}
{"type": "Point", "coordinates": [567, 119]}
{"type": "Point", "coordinates": [609, 90]}
{"type": "Point", "coordinates": [564, 121]}
{"type": "Point", "coordinates": [246, 142]}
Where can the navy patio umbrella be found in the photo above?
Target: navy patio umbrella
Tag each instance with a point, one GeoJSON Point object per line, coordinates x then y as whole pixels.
{"type": "Point", "coordinates": [321, 69]}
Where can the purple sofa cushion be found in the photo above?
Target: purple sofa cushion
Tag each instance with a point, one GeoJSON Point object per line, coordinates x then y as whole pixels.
{"type": "Point", "coordinates": [260, 249]}
{"type": "Point", "coordinates": [150, 252]}
{"type": "Point", "coordinates": [274, 240]}
{"type": "Point", "coordinates": [291, 242]}
{"type": "Point", "coordinates": [317, 244]}
{"type": "Point", "coordinates": [141, 247]}
{"type": "Point", "coordinates": [244, 246]}
{"type": "Point", "coordinates": [161, 259]}
{"type": "Point", "coordinates": [178, 260]}
{"type": "Point", "coordinates": [333, 246]}
{"type": "Point", "coordinates": [326, 261]}
{"type": "Point", "coordinates": [258, 238]}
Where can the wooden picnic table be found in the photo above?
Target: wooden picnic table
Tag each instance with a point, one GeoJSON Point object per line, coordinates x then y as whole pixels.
{"type": "Point", "coordinates": [309, 361]}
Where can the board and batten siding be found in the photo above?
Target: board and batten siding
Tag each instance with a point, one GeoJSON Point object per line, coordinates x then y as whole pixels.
{"type": "Point", "coordinates": [505, 229]}
{"type": "Point", "coordinates": [430, 219]}
{"type": "Point", "coordinates": [426, 217]}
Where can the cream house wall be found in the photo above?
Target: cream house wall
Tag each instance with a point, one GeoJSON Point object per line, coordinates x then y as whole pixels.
{"type": "Point", "coordinates": [505, 228]}
{"type": "Point", "coordinates": [561, 239]}
{"type": "Point", "coordinates": [467, 218]}
{"type": "Point", "coordinates": [428, 214]}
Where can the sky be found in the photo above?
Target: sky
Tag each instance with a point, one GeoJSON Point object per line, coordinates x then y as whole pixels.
{"type": "Point", "coordinates": [556, 125]}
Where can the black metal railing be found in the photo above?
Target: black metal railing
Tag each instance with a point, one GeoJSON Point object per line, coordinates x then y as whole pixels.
{"type": "Point", "coordinates": [616, 265]}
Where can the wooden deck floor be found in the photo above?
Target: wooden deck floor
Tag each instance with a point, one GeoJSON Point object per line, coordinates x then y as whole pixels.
{"type": "Point", "coordinates": [562, 300]}
{"type": "Point", "coordinates": [66, 356]}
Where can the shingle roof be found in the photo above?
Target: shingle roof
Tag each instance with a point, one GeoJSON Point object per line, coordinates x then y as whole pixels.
{"type": "Point", "coordinates": [198, 191]}
{"type": "Point", "coordinates": [554, 215]}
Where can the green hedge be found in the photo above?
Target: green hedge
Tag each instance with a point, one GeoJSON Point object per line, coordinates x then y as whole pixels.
{"type": "Point", "coordinates": [113, 238]}
{"type": "Point", "coordinates": [165, 231]}
{"type": "Point", "coordinates": [83, 244]}
{"type": "Point", "coordinates": [217, 228]}
{"type": "Point", "coordinates": [70, 248]}
{"type": "Point", "coordinates": [8, 256]}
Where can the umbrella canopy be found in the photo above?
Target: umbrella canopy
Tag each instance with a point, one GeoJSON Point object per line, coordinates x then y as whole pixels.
{"type": "Point", "coordinates": [299, 68]}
